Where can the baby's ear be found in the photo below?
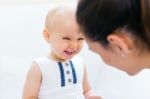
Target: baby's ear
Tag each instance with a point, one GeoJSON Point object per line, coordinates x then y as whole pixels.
{"type": "Point", "coordinates": [46, 34]}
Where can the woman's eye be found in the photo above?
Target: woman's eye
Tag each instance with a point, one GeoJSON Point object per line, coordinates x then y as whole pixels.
{"type": "Point", "coordinates": [89, 48]}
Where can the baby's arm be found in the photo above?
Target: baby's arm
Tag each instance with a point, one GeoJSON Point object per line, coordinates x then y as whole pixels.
{"type": "Point", "coordinates": [88, 93]}
{"type": "Point", "coordinates": [32, 83]}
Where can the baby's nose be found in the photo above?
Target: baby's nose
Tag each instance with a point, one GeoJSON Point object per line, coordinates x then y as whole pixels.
{"type": "Point", "coordinates": [74, 46]}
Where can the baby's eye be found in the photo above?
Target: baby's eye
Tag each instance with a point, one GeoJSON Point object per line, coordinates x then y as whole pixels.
{"type": "Point", "coordinates": [66, 38]}
{"type": "Point", "coordinates": [80, 39]}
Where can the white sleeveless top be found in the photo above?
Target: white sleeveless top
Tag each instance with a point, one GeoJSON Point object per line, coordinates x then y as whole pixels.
{"type": "Point", "coordinates": [61, 80]}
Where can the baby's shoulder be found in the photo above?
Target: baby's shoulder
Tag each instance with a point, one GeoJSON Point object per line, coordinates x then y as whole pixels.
{"type": "Point", "coordinates": [78, 60]}
{"type": "Point", "coordinates": [44, 61]}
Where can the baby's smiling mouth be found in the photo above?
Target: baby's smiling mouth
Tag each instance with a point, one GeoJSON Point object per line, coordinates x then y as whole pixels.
{"type": "Point", "coordinates": [69, 52]}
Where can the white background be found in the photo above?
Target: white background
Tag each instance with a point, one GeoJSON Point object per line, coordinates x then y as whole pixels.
{"type": "Point", "coordinates": [21, 41]}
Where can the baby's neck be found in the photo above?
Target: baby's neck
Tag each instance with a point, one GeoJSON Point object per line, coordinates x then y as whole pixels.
{"type": "Point", "coordinates": [54, 57]}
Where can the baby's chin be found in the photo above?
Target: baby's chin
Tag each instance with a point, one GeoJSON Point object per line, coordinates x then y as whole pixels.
{"type": "Point", "coordinates": [65, 58]}
{"type": "Point", "coordinates": [68, 58]}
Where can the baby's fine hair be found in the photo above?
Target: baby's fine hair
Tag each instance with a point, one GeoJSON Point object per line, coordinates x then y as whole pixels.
{"type": "Point", "coordinates": [57, 11]}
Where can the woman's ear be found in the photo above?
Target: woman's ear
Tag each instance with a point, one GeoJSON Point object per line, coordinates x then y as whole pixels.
{"type": "Point", "coordinates": [46, 34]}
{"type": "Point", "coordinates": [120, 43]}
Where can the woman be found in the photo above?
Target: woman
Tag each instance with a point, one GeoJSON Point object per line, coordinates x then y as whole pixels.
{"type": "Point", "coordinates": [118, 30]}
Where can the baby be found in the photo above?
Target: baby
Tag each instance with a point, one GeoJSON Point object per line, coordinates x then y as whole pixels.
{"type": "Point", "coordinates": [60, 74]}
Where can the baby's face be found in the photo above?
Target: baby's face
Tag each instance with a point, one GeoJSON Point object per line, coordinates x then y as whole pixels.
{"type": "Point", "coordinates": [66, 40]}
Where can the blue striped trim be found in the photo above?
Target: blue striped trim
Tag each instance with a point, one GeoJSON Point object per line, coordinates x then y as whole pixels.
{"type": "Point", "coordinates": [62, 75]}
{"type": "Point", "coordinates": [73, 73]}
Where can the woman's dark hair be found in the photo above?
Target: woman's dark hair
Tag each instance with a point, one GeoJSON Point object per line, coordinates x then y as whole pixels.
{"type": "Point", "coordinates": [145, 5]}
{"type": "Point", "coordinates": [99, 18]}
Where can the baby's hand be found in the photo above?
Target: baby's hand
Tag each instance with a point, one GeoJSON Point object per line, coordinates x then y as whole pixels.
{"type": "Point", "coordinates": [93, 97]}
